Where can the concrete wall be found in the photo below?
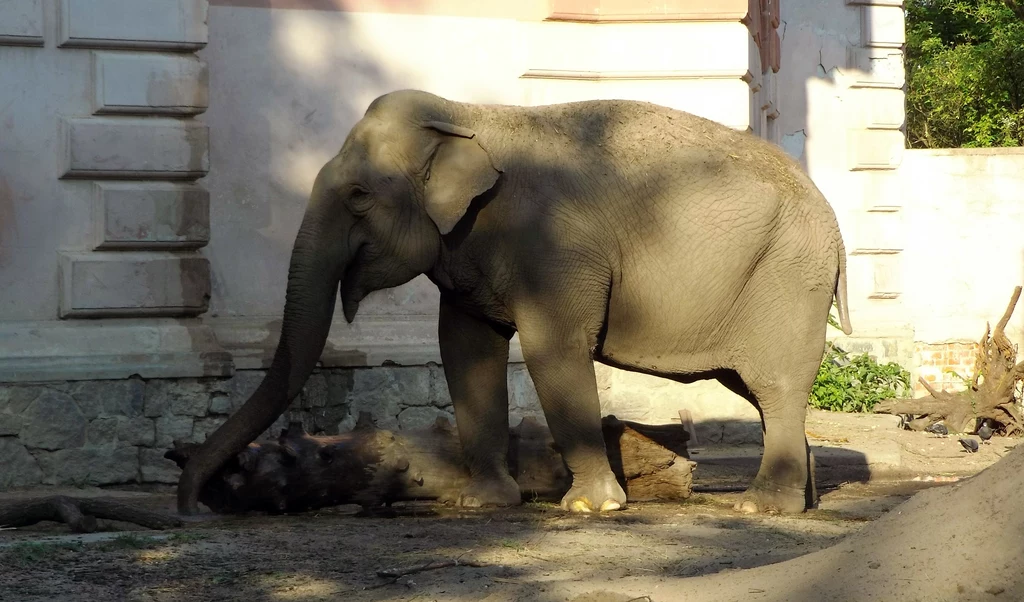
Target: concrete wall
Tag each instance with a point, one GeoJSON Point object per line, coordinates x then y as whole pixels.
{"type": "Point", "coordinates": [963, 252]}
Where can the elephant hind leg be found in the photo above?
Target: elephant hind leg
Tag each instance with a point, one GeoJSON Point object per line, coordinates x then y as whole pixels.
{"type": "Point", "coordinates": [784, 482]}
{"type": "Point", "coordinates": [783, 353]}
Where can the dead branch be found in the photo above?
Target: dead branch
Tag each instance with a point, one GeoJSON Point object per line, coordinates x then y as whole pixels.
{"type": "Point", "coordinates": [80, 514]}
{"type": "Point", "coordinates": [371, 467]}
{"type": "Point", "coordinates": [396, 572]}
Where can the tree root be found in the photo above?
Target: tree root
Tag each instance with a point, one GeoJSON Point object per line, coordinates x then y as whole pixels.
{"type": "Point", "coordinates": [991, 394]}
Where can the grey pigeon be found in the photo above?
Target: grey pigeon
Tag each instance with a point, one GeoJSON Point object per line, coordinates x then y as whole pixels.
{"type": "Point", "coordinates": [938, 428]}
{"type": "Point", "coordinates": [970, 445]}
{"type": "Point", "coordinates": [985, 431]}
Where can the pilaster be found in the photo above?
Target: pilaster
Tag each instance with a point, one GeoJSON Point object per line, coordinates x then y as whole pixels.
{"type": "Point", "coordinates": [142, 147]}
{"type": "Point", "coordinates": [875, 141]}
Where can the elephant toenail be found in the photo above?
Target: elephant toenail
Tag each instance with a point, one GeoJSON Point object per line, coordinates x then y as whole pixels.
{"type": "Point", "coordinates": [747, 507]}
{"type": "Point", "coordinates": [610, 505]}
{"type": "Point", "coordinates": [580, 505]}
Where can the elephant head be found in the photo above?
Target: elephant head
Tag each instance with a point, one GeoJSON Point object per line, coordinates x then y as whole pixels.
{"type": "Point", "coordinates": [404, 177]}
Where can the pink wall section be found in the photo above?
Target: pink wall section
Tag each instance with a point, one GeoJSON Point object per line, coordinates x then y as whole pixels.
{"type": "Point", "coordinates": [583, 10]}
{"type": "Point", "coordinates": [497, 9]}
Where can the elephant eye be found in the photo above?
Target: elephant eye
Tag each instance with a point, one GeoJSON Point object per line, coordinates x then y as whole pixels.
{"type": "Point", "coordinates": [359, 199]}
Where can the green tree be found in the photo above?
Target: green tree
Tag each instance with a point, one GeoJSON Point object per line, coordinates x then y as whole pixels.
{"type": "Point", "coordinates": [965, 73]}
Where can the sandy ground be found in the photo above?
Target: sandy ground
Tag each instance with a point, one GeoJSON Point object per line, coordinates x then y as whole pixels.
{"type": "Point", "coordinates": [537, 552]}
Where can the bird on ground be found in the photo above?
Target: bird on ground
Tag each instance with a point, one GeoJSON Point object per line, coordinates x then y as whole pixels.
{"type": "Point", "coordinates": [984, 431]}
{"type": "Point", "coordinates": [938, 428]}
{"type": "Point", "coordinates": [970, 445]}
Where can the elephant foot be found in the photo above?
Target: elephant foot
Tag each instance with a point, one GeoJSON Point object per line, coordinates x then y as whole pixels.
{"type": "Point", "coordinates": [499, 490]}
{"type": "Point", "coordinates": [767, 497]}
{"type": "Point", "coordinates": [596, 494]}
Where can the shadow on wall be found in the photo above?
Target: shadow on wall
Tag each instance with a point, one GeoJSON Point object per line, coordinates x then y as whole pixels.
{"type": "Point", "coordinates": [278, 111]}
{"type": "Point", "coordinates": [282, 108]}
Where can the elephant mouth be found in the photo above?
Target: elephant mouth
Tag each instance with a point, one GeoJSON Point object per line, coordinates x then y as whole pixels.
{"type": "Point", "coordinates": [349, 306]}
{"type": "Point", "coordinates": [349, 289]}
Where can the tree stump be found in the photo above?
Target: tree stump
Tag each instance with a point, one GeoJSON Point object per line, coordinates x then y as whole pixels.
{"type": "Point", "coordinates": [991, 393]}
{"type": "Point", "coordinates": [371, 467]}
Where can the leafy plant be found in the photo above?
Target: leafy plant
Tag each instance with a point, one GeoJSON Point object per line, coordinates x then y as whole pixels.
{"type": "Point", "coordinates": [965, 73]}
{"type": "Point", "coordinates": [855, 383]}
{"type": "Point", "coordinates": [130, 541]}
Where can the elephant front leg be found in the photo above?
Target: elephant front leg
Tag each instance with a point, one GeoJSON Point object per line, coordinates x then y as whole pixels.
{"type": "Point", "coordinates": [475, 358]}
{"type": "Point", "coordinates": [563, 372]}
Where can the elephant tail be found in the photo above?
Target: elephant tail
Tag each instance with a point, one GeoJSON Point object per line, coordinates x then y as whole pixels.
{"type": "Point", "coordinates": [841, 299]}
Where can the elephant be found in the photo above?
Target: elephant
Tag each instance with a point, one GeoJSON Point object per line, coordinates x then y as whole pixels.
{"type": "Point", "coordinates": [615, 231]}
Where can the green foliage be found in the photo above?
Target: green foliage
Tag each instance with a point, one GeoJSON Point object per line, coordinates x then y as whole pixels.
{"type": "Point", "coordinates": [965, 73]}
{"type": "Point", "coordinates": [129, 541]}
{"type": "Point", "coordinates": [856, 383]}
{"type": "Point", "coordinates": [185, 537]}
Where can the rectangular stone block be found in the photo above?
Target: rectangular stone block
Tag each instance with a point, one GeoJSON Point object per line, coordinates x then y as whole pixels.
{"type": "Point", "coordinates": [133, 284]}
{"type": "Point", "coordinates": [887, 276]}
{"type": "Point", "coordinates": [876, 108]}
{"type": "Point", "coordinates": [882, 26]}
{"type": "Point", "coordinates": [21, 23]}
{"type": "Point", "coordinates": [114, 349]}
{"type": "Point", "coordinates": [160, 84]}
{"type": "Point", "coordinates": [151, 215]}
{"type": "Point", "coordinates": [135, 148]}
{"type": "Point", "coordinates": [874, 149]}
{"type": "Point", "coordinates": [133, 24]}
{"type": "Point", "coordinates": [883, 191]}
{"type": "Point", "coordinates": [875, 67]}
{"type": "Point", "coordinates": [878, 232]}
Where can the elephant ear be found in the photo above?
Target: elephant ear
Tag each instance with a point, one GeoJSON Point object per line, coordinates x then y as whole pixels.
{"type": "Point", "coordinates": [459, 171]}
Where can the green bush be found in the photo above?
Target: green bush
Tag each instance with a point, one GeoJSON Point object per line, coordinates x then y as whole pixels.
{"type": "Point", "coordinates": [965, 73]}
{"type": "Point", "coordinates": [855, 383]}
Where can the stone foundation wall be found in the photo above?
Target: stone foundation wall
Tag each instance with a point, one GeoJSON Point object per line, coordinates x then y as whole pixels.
{"type": "Point", "coordinates": [116, 431]}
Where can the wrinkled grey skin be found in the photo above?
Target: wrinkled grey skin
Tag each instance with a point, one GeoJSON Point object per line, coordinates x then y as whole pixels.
{"type": "Point", "coordinates": [623, 232]}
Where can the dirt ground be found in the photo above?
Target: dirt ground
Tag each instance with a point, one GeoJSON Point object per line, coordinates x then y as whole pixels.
{"type": "Point", "coordinates": [535, 552]}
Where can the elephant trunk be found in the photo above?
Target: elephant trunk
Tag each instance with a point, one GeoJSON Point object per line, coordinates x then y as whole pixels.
{"type": "Point", "coordinates": [319, 259]}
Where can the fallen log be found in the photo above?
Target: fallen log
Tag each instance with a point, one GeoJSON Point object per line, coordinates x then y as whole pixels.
{"type": "Point", "coordinates": [80, 514]}
{"type": "Point", "coordinates": [373, 467]}
{"type": "Point", "coordinates": [990, 395]}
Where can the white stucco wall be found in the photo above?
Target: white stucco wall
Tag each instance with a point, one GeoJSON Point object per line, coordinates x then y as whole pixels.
{"type": "Point", "coordinates": [965, 249]}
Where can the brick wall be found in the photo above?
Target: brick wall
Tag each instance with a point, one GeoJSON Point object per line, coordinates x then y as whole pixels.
{"type": "Point", "coordinates": [935, 361]}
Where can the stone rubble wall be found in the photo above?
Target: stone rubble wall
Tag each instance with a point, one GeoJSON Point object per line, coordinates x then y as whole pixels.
{"type": "Point", "coordinates": [112, 432]}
